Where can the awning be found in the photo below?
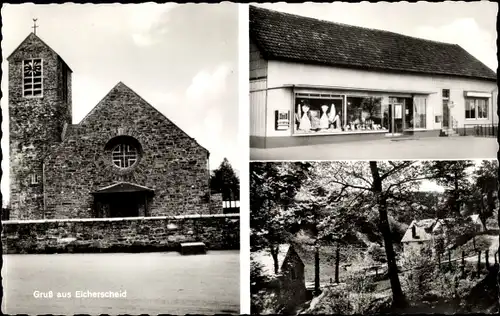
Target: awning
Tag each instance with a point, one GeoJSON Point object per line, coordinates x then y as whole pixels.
{"type": "Point", "coordinates": [122, 187]}
{"type": "Point", "coordinates": [477, 94]}
{"type": "Point", "coordinates": [306, 86]}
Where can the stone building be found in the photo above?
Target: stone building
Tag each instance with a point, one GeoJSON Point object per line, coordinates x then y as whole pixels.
{"type": "Point", "coordinates": [123, 159]}
{"type": "Point", "coordinates": [319, 82]}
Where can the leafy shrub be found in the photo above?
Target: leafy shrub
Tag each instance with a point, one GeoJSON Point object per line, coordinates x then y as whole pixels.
{"type": "Point", "coordinates": [264, 300]}
{"type": "Point", "coordinates": [355, 297]}
{"type": "Point", "coordinates": [377, 253]}
{"type": "Point", "coordinates": [417, 282]}
{"type": "Point", "coordinates": [435, 285]}
{"type": "Point", "coordinates": [482, 243]}
{"type": "Point", "coordinates": [338, 302]}
{"type": "Point", "coordinates": [360, 283]}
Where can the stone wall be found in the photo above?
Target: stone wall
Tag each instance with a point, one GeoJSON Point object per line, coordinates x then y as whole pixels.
{"type": "Point", "coordinates": [139, 234]}
{"type": "Point", "coordinates": [171, 163]}
{"type": "Point", "coordinates": [216, 203]}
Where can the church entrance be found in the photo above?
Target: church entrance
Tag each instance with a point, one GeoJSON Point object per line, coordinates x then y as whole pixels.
{"type": "Point", "coordinates": [124, 204]}
{"type": "Point", "coordinates": [122, 200]}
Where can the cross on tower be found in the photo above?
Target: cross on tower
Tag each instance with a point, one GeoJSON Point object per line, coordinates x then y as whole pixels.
{"type": "Point", "coordinates": [34, 26]}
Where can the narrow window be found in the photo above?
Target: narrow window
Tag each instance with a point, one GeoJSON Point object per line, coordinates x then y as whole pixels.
{"type": "Point", "coordinates": [32, 78]}
{"type": "Point", "coordinates": [446, 94]}
{"type": "Point", "coordinates": [34, 179]}
{"type": "Point", "coordinates": [65, 84]}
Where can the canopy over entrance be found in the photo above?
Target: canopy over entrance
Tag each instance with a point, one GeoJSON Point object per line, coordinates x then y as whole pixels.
{"type": "Point", "coordinates": [122, 199]}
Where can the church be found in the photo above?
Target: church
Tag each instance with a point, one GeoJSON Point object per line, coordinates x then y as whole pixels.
{"type": "Point", "coordinates": [124, 159]}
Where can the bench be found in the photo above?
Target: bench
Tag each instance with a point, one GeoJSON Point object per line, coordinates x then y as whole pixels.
{"type": "Point", "coordinates": [193, 248]}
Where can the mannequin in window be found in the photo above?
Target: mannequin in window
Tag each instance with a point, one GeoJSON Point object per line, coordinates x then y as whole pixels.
{"type": "Point", "coordinates": [333, 113]}
{"type": "Point", "coordinates": [305, 123]}
{"type": "Point", "coordinates": [324, 121]}
{"type": "Point", "coordinates": [314, 117]}
{"type": "Point", "coordinates": [337, 121]}
{"type": "Point", "coordinates": [298, 115]}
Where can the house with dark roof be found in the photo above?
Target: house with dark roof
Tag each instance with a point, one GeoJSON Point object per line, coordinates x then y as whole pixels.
{"type": "Point", "coordinates": [425, 233]}
{"type": "Point", "coordinates": [124, 159]}
{"type": "Point", "coordinates": [314, 81]}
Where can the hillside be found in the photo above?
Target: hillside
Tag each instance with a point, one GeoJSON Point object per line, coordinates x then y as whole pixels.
{"type": "Point", "coordinates": [353, 251]}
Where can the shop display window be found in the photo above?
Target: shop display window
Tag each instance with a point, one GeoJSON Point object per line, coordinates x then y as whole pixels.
{"type": "Point", "coordinates": [322, 113]}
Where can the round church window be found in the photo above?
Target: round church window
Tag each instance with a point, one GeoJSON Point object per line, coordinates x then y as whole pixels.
{"type": "Point", "coordinates": [124, 155]}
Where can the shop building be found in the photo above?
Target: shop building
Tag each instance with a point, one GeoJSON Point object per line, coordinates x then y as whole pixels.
{"type": "Point", "coordinates": [314, 81]}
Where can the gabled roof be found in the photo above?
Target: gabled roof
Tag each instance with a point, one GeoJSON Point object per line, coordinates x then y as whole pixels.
{"type": "Point", "coordinates": [123, 87]}
{"type": "Point", "coordinates": [424, 230]}
{"type": "Point", "coordinates": [283, 36]}
{"type": "Point", "coordinates": [33, 37]}
{"type": "Point", "coordinates": [123, 187]}
{"type": "Point", "coordinates": [431, 228]}
{"type": "Point", "coordinates": [264, 258]}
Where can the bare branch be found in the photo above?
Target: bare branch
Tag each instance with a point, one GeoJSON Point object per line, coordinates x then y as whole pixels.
{"type": "Point", "coordinates": [396, 168]}
{"type": "Point", "coordinates": [351, 185]}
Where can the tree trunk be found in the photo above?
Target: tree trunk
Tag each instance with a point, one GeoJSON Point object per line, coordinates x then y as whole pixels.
{"type": "Point", "coordinates": [316, 270]}
{"type": "Point", "coordinates": [456, 203]}
{"type": "Point", "coordinates": [483, 222]}
{"type": "Point", "coordinates": [398, 298]}
{"type": "Point", "coordinates": [337, 264]}
{"type": "Point", "coordinates": [463, 265]}
{"type": "Point", "coordinates": [274, 254]}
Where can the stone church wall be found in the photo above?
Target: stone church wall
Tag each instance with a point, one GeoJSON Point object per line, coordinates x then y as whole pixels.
{"type": "Point", "coordinates": [216, 203]}
{"type": "Point", "coordinates": [173, 164]}
{"type": "Point", "coordinates": [36, 124]}
{"type": "Point", "coordinates": [218, 232]}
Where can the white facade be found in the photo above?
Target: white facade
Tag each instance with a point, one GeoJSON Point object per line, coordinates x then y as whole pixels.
{"type": "Point", "coordinates": [276, 88]}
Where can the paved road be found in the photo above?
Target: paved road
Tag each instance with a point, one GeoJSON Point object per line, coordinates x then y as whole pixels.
{"type": "Point", "coordinates": [154, 283]}
{"type": "Point", "coordinates": [423, 148]}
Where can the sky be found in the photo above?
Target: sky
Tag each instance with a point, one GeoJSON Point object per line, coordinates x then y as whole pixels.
{"type": "Point", "coordinates": [182, 59]}
{"type": "Point", "coordinates": [472, 25]}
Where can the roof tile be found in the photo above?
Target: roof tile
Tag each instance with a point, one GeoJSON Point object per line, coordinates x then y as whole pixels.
{"type": "Point", "coordinates": [284, 36]}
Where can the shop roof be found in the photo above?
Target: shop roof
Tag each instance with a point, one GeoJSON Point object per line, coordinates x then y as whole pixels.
{"type": "Point", "coordinates": [283, 36]}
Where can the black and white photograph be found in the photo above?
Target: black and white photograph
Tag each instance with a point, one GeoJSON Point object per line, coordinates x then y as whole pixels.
{"type": "Point", "coordinates": [359, 237]}
{"type": "Point", "coordinates": [336, 81]}
{"type": "Point", "coordinates": [120, 184]}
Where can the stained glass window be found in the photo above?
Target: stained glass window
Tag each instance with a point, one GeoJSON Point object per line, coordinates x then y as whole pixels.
{"type": "Point", "coordinates": [124, 155]}
{"type": "Point", "coordinates": [32, 79]}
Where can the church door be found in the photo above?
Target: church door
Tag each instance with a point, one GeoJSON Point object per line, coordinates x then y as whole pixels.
{"type": "Point", "coordinates": [124, 204]}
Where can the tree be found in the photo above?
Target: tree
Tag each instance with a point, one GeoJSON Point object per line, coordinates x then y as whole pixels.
{"type": "Point", "coordinates": [224, 180]}
{"type": "Point", "coordinates": [380, 185]}
{"type": "Point", "coordinates": [318, 213]}
{"type": "Point", "coordinates": [454, 177]}
{"type": "Point", "coordinates": [272, 190]}
{"type": "Point", "coordinates": [485, 190]}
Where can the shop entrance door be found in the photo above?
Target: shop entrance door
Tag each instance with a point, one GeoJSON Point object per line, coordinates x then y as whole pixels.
{"type": "Point", "coordinates": [446, 114]}
{"type": "Point", "coordinates": [396, 118]}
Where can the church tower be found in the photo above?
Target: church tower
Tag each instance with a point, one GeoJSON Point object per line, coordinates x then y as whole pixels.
{"type": "Point", "coordinates": [39, 111]}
